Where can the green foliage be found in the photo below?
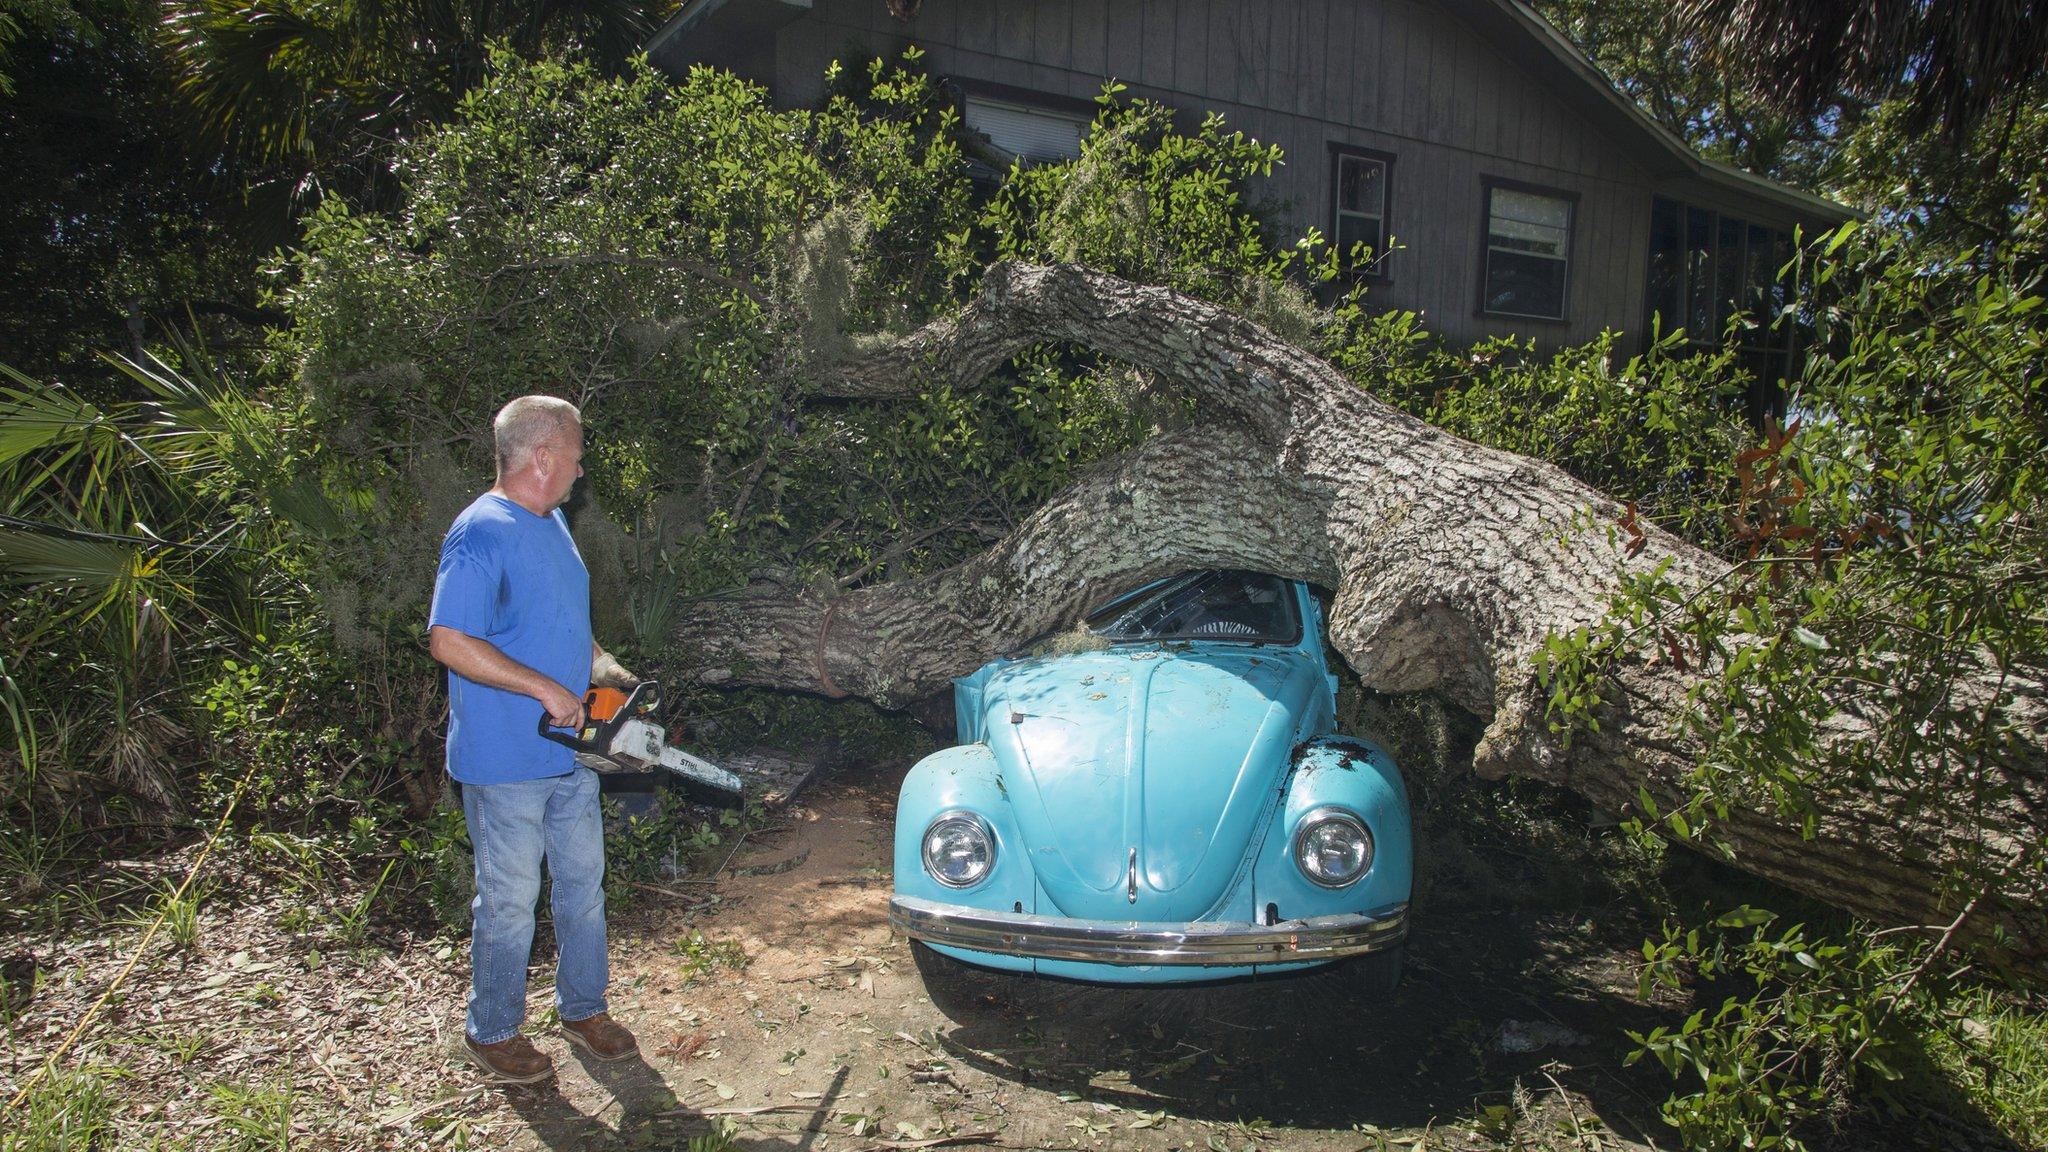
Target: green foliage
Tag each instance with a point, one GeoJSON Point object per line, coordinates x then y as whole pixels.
{"type": "Point", "coordinates": [244, 577]}
{"type": "Point", "coordinates": [1890, 554]}
{"type": "Point", "coordinates": [1660, 430]}
{"type": "Point", "coordinates": [525, 258]}
{"type": "Point", "coordinates": [701, 956]}
{"type": "Point", "coordinates": [179, 913]}
{"type": "Point", "coordinates": [270, 612]}
{"type": "Point", "coordinates": [67, 1110]}
{"type": "Point", "coordinates": [437, 847]}
{"type": "Point", "coordinates": [335, 84]}
{"type": "Point", "coordinates": [258, 1118]}
{"type": "Point", "coordinates": [21, 16]}
{"type": "Point", "coordinates": [1149, 203]}
{"type": "Point", "coordinates": [1968, 188]}
{"type": "Point", "coordinates": [675, 841]}
{"type": "Point", "coordinates": [256, 708]}
{"type": "Point", "coordinates": [1889, 558]}
{"type": "Point", "coordinates": [1979, 197]}
{"type": "Point", "coordinates": [111, 224]}
{"type": "Point", "coordinates": [135, 531]}
{"type": "Point", "coordinates": [1803, 1030]}
{"type": "Point", "coordinates": [1685, 89]}
{"type": "Point", "coordinates": [1994, 1047]}
{"type": "Point", "coordinates": [1810, 1019]}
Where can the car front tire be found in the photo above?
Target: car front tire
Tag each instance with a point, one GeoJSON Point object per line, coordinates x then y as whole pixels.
{"type": "Point", "coordinates": [956, 986]}
{"type": "Point", "coordinates": [1378, 973]}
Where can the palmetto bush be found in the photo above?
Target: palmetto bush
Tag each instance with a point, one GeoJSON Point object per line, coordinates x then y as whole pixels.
{"type": "Point", "coordinates": [143, 544]}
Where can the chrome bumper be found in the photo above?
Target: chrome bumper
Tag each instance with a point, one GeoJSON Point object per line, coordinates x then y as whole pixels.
{"type": "Point", "coordinates": [1140, 942]}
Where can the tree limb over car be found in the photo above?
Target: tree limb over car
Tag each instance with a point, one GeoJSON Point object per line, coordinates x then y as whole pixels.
{"type": "Point", "coordinates": [1450, 563]}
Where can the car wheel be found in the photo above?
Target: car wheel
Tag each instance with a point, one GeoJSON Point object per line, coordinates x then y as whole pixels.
{"type": "Point", "coordinates": [1377, 973]}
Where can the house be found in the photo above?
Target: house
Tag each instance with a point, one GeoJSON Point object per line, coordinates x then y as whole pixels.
{"type": "Point", "coordinates": [1520, 193]}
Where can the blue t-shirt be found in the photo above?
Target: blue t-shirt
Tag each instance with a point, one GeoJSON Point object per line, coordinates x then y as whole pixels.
{"type": "Point", "coordinates": [516, 580]}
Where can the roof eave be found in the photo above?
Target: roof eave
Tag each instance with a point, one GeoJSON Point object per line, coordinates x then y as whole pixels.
{"type": "Point", "coordinates": [1673, 155]}
{"type": "Point", "coordinates": [686, 18]}
{"type": "Point", "coordinates": [1741, 179]}
{"type": "Point", "coordinates": [1674, 149]}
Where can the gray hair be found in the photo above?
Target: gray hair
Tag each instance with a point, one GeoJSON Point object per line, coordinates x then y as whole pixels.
{"type": "Point", "coordinates": [527, 423]}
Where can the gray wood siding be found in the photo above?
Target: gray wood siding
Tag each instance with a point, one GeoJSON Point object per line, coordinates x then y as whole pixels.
{"type": "Point", "coordinates": [1403, 77]}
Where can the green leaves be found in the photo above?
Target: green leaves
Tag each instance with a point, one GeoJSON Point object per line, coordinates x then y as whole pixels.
{"type": "Point", "coordinates": [1888, 553]}
{"type": "Point", "coordinates": [44, 557]}
{"type": "Point", "coordinates": [1147, 202]}
{"type": "Point", "coordinates": [324, 83]}
{"type": "Point", "coordinates": [1813, 1018]}
{"type": "Point", "coordinates": [134, 537]}
{"type": "Point", "coordinates": [34, 417]}
{"type": "Point", "coordinates": [1744, 917]}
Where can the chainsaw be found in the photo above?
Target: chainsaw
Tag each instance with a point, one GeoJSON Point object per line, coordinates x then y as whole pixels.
{"type": "Point", "coordinates": [620, 734]}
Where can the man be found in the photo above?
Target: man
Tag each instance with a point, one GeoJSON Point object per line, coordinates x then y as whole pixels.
{"type": "Point", "coordinates": [511, 620]}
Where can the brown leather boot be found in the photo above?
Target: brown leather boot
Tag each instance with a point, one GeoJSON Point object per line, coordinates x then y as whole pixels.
{"type": "Point", "coordinates": [601, 1036]}
{"type": "Point", "coordinates": [514, 1061]}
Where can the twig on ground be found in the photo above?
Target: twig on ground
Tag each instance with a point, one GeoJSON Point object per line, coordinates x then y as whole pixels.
{"type": "Point", "coordinates": [427, 1109]}
{"type": "Point", "coordinates": [934, 1142]}
{"type": "Point", "coordinates": [936, 1072]}
{"type": "Point", "coordinates": [347, 1097]}
{"type": "Point", "coordinates": [1579, 1137]}
{"type": "Point", "coordinates": [658, 890]}
{"type": "Point", "coordinates": [401, 973]}
{"type": "Point", "coordinates": [757, 1110]}
{"type": "Point", "coordinates": [742, 839]}
{"type": "Point", "coordinates": [1948, 936]}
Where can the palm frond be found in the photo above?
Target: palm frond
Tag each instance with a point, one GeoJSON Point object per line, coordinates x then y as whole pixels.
{"type": "Point", "coordinates": [35, 416]}
{"type": "Point", "coordinates": [15, 703]}
{"type": "Point", "coordinates": [1953, 62]}
{"type": "Point", "coordinates": [261, 73]}
{"type": "Point", "coordinates": [32, 558]}
{"type": "Point", "coordinates": [302, 501]}
{"type": "Point", "coordinates": [201, 421]}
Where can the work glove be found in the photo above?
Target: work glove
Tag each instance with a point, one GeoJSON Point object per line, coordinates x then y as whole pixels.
{"type": "Point", "coordinates": [607, 672]}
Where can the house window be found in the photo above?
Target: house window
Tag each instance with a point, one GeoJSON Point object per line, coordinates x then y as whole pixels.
{"type": "Point", "coordinates": [1359, 204]}
{"type": "Point", "coordinates": [1035, 134]}
{"type": "Point", "coordinates": [1528, 252]}
{"type": "Point", "coordinates": [1705, 268]}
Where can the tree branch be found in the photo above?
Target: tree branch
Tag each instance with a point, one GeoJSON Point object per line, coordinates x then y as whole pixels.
{"type": "Point", "coordinates": [1450, 563]}
{"type": "Point", "coordinates": [626, 260]}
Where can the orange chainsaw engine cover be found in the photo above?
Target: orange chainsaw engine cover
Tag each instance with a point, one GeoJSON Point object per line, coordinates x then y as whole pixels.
{"type": "Point", "coordinates": [603, 703]}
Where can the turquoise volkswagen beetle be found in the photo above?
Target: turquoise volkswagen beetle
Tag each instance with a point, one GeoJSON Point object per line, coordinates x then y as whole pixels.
{"type": "Point", "coordinates": [1159, 797]}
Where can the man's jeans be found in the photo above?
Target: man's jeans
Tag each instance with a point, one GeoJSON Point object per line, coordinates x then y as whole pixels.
{"type": "Point", "coordinates": [511, 827]}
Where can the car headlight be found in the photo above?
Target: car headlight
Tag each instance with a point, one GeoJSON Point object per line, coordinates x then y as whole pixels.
{"type": "Point", "coordinates": [959, 850]}
{"type": "Point", "coordinates": [1332, 847]}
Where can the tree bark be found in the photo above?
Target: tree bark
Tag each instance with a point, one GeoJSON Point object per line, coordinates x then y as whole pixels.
{"type": "Point", "coordinates": [1450, 563]}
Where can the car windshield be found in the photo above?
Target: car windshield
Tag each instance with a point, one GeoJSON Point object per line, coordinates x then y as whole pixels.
{"type": "Point", "coordinates": [1247, 607]}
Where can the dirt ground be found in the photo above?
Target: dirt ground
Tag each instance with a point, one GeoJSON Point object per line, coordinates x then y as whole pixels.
{"type": "Point", "coordinates": [830, 1036]}
{"type": "Point", "coordinates": [778, 1003]}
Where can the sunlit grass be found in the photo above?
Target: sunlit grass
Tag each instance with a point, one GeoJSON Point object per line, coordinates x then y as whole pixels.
{"type": "Point", "coordinates": [67, 1110]}
{"type": "Point", "coordinates": [1996, 1053]}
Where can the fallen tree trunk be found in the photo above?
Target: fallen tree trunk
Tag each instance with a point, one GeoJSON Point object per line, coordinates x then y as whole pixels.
{"type": "Point", "coordinates": [1450, 563]}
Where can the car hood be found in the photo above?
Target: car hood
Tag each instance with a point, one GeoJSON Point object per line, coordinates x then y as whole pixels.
{"type": "Point", "coordinates": [1176, 754]}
